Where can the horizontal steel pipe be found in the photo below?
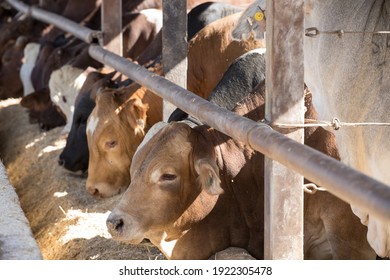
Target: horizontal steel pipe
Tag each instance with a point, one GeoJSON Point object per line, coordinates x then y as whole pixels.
{"type": "Point", "coordinates": [81, 32]}
{"type": "Point", "coordinates": [20, 6]}
{"type": "Point", "coordinates": [344, 182]}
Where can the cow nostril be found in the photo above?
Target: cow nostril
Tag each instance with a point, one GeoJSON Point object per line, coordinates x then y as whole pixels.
{"type": "Point", "coordinates": [93, 191]}
{"type": "Point", "coordinates": [61, 162]}
{"type": "Point", "coordinates": [115, 225]}
{"type": "Point", "coordinates": [119, 225]}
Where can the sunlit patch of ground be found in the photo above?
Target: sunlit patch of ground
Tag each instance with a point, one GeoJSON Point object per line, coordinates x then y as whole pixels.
{"type": "Point", "coordinates": [66, 221]}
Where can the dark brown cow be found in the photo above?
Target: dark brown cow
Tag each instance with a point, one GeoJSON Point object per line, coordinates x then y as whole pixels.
{"type": "Point", "coordinates": [138, 33]}
{"type": "Point", "coordinates": [42, 110]}
{"type": "Point", "coordinates": [74, 10]}
{"type": "Point", "coordinates": [14, 36]}
{"type": "Point", "coordinates": [51, 57]}
{"type": "Point", "coordinates": [196, 191]}
{"type": "Point", "coordinates": [27, 26]}
{"type": "Point", "coordinates": [32, 30]}
{"type": "Point", "coordinates": [11, 60]}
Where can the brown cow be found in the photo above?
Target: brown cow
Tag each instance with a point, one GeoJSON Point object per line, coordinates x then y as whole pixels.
{"type": "Point", "coordinates": [204, 72]}
{"type": "Point", "coordinates": [11, 52]}
{"type": "Point", "coordinates": [42, 110]}
{"type": "Point", "coordinates": [138, 32]}
{"type": "Point", "coordinates": [115, 128]}
{"type": "Point", "coordinates": [211, 52]}
{"type": "Point", "coordinates": [11, 60]}
{"type": "Point", "coordinates": [32, 30]}
{"type": "Point", "coordinates": [196, 191]}
{"type": "Point", "coordinates": [74, 10]}
{"type": "Point", "coordinates": [197, 18]}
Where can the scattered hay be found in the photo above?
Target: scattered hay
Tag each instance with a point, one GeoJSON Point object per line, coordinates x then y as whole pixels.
{"type": "Point", "coordinates": [66, 221]}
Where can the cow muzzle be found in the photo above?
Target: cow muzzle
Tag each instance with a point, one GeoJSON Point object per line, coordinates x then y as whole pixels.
{"type": "Point", "coordinates": [123, 230]}
{"type": "Point", "coordinates": [103, 190]}
{"type": "Point", "coordinates": [115, 225]}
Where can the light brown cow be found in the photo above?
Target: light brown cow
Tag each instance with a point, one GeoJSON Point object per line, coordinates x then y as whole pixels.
{"type": "Point", "coordinates": [195, 191]}
{"type": "Point", "coordinates": [115, 128]}
{"type": "Point", "coordinates": [212, 51]}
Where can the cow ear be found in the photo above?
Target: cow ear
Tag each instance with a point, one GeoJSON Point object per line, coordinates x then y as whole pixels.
{"type": "Point", "coordinates": [208, 176]}
{"type": "Point", "coordinates": [99, 91]}
{"type": "Point", "coordinates": [136, 115]}
{"type": "Point", "coordinates": [251, 24]}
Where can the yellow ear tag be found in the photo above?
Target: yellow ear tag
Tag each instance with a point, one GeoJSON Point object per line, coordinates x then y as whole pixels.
{"type": "Point", "coordinates": [259, 16]}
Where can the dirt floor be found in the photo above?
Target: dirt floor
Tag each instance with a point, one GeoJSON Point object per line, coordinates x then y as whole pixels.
{"type": "Point", "coordinates": [66, 221]}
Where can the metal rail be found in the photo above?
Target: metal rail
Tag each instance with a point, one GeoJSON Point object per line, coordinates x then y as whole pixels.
{"type": "Point", "coordinates": [81, 32]}
{"type": "Point", "coordinates": [344, 182]}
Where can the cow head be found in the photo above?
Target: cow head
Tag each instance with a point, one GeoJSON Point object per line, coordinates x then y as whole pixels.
{"type": "Point", "coordinates": [43, 110]}
{"type": "Point", "coordinates": [75, 155]}
{"type": "Point", "coordinates": [115, 128]}
{"type": "Point", "coordinates": [175, 183]}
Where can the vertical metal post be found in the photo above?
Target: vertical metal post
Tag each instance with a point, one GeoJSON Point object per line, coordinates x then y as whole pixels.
{"type": "Point", "coordinates": [112, 26]}
{"type": "Point", "coordinates": [283, 215]}
{"type": "Point", "coordinates": [175, 47]}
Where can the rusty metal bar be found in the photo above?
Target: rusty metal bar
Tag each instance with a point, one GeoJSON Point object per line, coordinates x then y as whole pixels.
{"type": "Point", "coordinates": [344, 182]}
{"type": "Point", "coordinates": [74, 28]}
{"type": "Point", "coordinates": [175, 47]}
{"type": "Point", "coordinates": [283, 195]}
{"type": "Point", "coordinates": [112, 26]}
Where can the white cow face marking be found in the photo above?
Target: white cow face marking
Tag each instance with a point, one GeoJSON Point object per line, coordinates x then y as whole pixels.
{"type": "Point", "coordinates": [92, 124]}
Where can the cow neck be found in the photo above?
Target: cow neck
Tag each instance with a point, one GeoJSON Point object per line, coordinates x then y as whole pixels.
{"type": "Point", "coordinates": [229, 206]}
{"type": "Point", "coordinates": [201, 203]}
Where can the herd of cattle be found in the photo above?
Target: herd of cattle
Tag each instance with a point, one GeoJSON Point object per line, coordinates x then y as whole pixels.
{"type": "Point", "coordinates": [189, 189]}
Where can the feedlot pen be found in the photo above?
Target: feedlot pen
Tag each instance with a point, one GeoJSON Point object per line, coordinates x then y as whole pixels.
{"type": "Point", "coordinates": [58, 207]}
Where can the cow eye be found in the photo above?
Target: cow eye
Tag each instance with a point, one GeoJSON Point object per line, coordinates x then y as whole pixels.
{"type": "Point", "coordinates": [168, 177]}
{"type": "Point", "coordinates": [111, 144]}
